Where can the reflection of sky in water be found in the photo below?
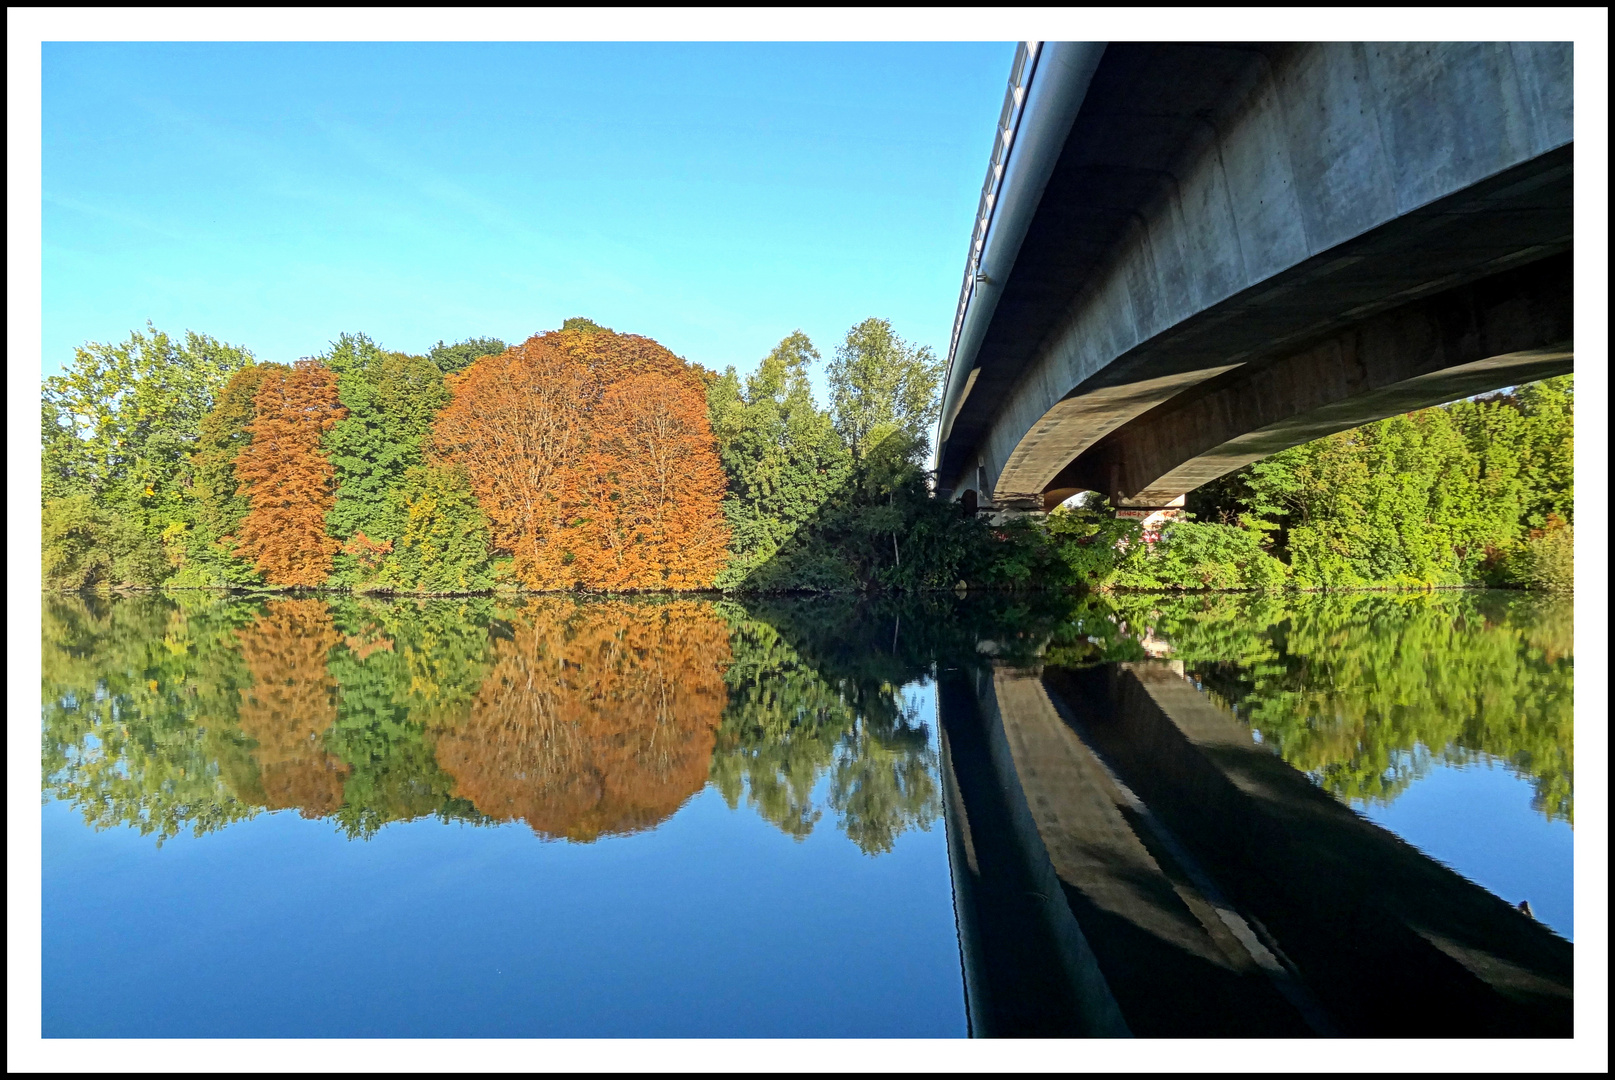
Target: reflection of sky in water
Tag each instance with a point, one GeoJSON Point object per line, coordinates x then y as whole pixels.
{"type": "Point", "coordinates": [712, 923]}
{"type": "Point", "coordinates": [1478, 819]}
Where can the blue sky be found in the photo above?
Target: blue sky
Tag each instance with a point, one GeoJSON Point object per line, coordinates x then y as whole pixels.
{"type": "Point", "coordinates": [714, 197]}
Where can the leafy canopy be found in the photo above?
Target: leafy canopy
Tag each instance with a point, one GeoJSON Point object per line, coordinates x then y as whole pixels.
{"type": "Point", "coordinates": [880, 386]}
{"type": "Point", "coordinates": [781, 453]}
{"type": "Point", "coordinates": [391, 400]}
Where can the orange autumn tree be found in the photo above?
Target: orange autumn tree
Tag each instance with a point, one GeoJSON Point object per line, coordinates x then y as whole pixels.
{"type": "Point", "coordinates": [591, 455]}
{"type": "Point", "coordinates": [656, 514]}
{"type": "Point", "coordinates": [595, 718]}
{"type": "Point", "coordinates": [286, 477]}
{"type": "Point", "coordinates": [516, 424]}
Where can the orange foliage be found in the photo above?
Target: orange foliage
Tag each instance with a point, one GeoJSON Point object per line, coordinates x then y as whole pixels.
{"type": "Point", "coordinates": [656, 511]}
{"type": "Point", "coordinates": [291, 704]}
{"type": "Point", "coordinates": [516, 423]}
{"type": "Point", "coordinates": [595, 718]}
{"type": "Point", "coordinates": [580, 448]}
{"type": "Point", "coordinates": [287, 479]}
{"type": "Point", "coordinates": [368, 552]}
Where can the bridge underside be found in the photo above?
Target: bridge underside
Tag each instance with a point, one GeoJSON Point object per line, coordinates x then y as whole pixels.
{"type": "Point", "coordinates": [1245, 248]}
{"type": "Point", "coordinates": [1501, 331]}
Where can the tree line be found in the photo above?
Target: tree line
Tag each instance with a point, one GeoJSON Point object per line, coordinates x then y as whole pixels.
{"type": "Point", "coordinates": [1478, 492]}
{"type": "Point", "coordinates": [579, 459]}
{"type": "Point", "coordinates": [587, 459]}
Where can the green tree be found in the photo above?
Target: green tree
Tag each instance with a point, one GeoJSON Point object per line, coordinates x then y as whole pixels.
{"type": "Point", "coordinates": [86, 547]}
{"type": "Point", "coordinates": [839, 501]}
{"type": "Point", "coordinates": [781, 452]}
{"type": "Point", "coordinates": [1547, 559]}
{"type": "Point", "coordinates": [881, 386]}
{"type": "Point", "coordinates": [121, 422]}
{"type": "Point", "coordinates": [1440, 496]}
{"type": "Point", "coordinates": [1548, 461]}
{"type": "Point", "coordinates": [462, 354]}
{"type": "Point", "coordinates": [443, 545]}
{"type": "Point", "coordinates": [391, 400]}
{"type": "Point", "coordinates": [64, 468]}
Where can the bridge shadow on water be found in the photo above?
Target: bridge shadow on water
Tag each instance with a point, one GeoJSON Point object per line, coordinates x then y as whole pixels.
{"type": "Point", "coordinates": [1128, 860]}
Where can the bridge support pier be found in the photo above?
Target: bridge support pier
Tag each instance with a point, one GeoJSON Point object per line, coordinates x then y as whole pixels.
{"type": "Point", "coordinates": [1154, 518]}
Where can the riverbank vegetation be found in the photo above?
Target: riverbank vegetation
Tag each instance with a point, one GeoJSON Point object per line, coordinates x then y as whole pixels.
{"type": "Point", "coordinates": [587, 459]}
{"type": "Point", "coordinates": [1478, 493]}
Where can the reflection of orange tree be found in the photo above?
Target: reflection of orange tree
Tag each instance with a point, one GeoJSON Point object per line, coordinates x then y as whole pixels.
{"type": "Point", "coordinates": [291, 705]}
{"type": "Point", "coordinates": [594, 718]}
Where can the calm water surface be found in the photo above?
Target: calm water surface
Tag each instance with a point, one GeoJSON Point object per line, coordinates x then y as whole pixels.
{"type": "Point", "coordinates": [580, 817]}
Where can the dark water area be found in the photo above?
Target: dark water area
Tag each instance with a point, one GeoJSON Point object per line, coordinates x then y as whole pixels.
{"type": "Point", "coordinates": [999, 816]}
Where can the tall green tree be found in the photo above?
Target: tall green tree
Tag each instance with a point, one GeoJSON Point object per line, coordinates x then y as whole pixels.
{"type": "Point", "coordinates": [391, 400]}
{"type": "Point", "coordinates": [120, 425]}
{"type": "Point", "coordinates": [780, 450]}
{"type": "Point", "coordinates": [880, 386]}
{"type": "Point", "coordinates": [841, 501]}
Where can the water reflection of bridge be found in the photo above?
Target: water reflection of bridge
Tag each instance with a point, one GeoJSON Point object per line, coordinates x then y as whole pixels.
{"type": "Point", "coordinates": [1128, 861]}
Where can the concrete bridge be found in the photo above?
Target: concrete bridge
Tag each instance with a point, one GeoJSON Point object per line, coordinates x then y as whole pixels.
{"type": "Point", "coordinates": [1188, 257]}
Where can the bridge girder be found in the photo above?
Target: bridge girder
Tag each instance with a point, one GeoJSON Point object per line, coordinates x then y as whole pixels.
{"type": "Point", "coordinates": [1221, 212]}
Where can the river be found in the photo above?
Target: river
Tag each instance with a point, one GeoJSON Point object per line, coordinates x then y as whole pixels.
{"type": "Point", "coordinates": [990, 815]}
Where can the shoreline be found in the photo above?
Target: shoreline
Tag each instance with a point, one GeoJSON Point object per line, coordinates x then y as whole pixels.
{"type": "Point", "coordinates": [719, 594]}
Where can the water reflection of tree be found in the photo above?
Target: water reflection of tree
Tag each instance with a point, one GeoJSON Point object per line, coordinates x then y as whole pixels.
{"type": "Point", "coordinates": [290, 705]}
{"type": "Point", "coordinates": [1366, 692]}
{"type": "Point", "coordinates": [405, 668]}
{"type": "Point", "coordinates": [581, 718]}
{"type": "Point", "coordinates": [595, 717]}
{"type": "Point", "coordinates": [139, 702]}
{"type": "Point", "coordinates": [779, 730]}
{"type": "Point", "coordinates": [885, 780]}
{"type": "Point", "coordinates": [791, 723]}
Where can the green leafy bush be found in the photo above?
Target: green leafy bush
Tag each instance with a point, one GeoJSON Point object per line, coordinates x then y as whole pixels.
{"type": "Point", "coordinates": [85, 547]}
{"type": "Point", "coordinates": [1442, 496]}
{"type": "Point", "coordinates": [443, 546]}
{"type": "Point", "coordinates": [1547, 561]}
{"type": "Point", "coordinates": [1091, 541]}
{"type": "Point", "coordinates": [1099, 550]}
